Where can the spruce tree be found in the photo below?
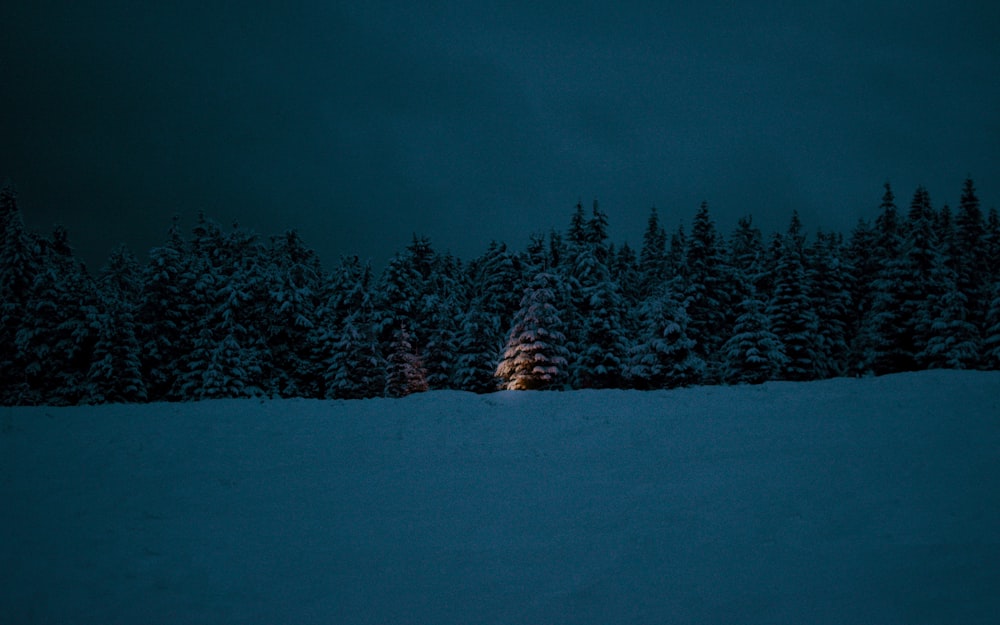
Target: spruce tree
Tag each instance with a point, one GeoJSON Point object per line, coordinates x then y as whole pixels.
{"type": "Point", "coordinates": [601, 359]}
{"type": "Point", "coordinates": [115, 373]}
{"type": "Point", "coordinates": [497, 282]}
{"type": "Point", "coordinates": [57, 338]}
{"type": "Point", "coordinates": [883, 329]}
{"type": "Point", "coordinates": [535, 355]}
{"type": "Point", "coordinates": [405, 373]}
{"type": "Point", "coordinates": [860, 273]}
{"type": "Point", "coordinates": [355, 368]}
{"type": "Point", "coordinates": [441, 305]}
{"type": "Point", "coordinates": [953, 342]}
{"type": "Point", "coordinates": [747, 255]}
{"type": "Point", "coordinates": [753, 354]}
{"type": "Point", "coordinates": [707, 292]}
{"type": "Point", "coordinates": [400, 290]}
{"type": "Point", "coordinates": [971, 248]}
{"type": "Point", "coordinates": [993, 247]}
{"type": "Point", "coordinates": [346, 345]}
{"type": "Point", "coordinates": [20, 262]}
{"type": "Point", "coordinates": [664, 355]}
{"type": "Point", "coordinates": [827, 275]}
{"type": "Point", "coordinates": [790, 311]}
{"type": "Point", "coordinates": [293, 283]}
{"type": "Point", "coordinates": [478, 351]}
{"type": "Point", "coordinates": [991, 336]}
{"type": "Point", "coordinates": [653, 270]}
{"type": "Point", "coordinates": [165, 315]}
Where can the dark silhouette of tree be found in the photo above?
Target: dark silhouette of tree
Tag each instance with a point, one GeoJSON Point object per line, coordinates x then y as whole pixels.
{"type": "Point", "coordinates": [293, 279]}
{"type": "Point", "coordinates": [827, 273]}
{"type": "Point", "coordinates": [653, 267]}
{"type": "Point", "coordinates": [664, 354]}
{"type": "Point", "coordinates": [406, 374]}
{"type": "Point", "coordinates": [115, 373]}
{"type": "Point", "coordinates": [753, 354]}
{"type": "Point", "coordinates": [20, 262]}
{"type": "Point", "coordinates": [478, 351]}
{"type": "Point", "coordinates": [346, 346]}
{"type": "Point", "coordinates": [792, 318]}
{"type": "Point", "coordinates": [971, 248]}
{"type": "Point", "coordinates": [707, 292]}
{"type": "Point", "coordinates": [165, 315]}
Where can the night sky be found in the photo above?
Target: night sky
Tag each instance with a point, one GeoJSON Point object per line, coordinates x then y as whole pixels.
{"type": "Point", "coordinates": [362, 123]}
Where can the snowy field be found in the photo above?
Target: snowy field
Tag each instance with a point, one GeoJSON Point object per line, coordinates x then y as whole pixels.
{"type": "Point", "coordinates": [845, 501]}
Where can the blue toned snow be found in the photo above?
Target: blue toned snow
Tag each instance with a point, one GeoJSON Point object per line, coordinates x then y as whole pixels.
{"type": "Point", "coordinates": [845, 501]}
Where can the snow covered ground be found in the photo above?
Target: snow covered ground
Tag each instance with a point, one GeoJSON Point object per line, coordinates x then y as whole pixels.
{"type": "Point", "coordinates": [845, 501]}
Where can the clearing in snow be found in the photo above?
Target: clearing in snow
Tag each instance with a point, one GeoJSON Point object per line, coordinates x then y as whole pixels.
{"type": "Point", "coordinates": [843, 501]}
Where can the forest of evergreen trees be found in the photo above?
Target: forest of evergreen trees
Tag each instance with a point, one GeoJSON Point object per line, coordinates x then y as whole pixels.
{"type": "Point", "coordinates": [221, 313]}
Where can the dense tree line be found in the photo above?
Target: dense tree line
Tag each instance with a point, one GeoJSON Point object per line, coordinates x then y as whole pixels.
{"type": "Point", "coordinates": [222, 313]}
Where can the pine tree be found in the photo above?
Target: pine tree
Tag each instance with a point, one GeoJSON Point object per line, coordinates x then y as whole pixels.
{"type": "Point", "coordinates": [535, 356]}
{"type": "Point", "coordinates": [625, 273]}
{"type": "Point", "coordinates": [227, 373]}
{"type": "Point", "coordinates": [115, 373]}
{"type": "Point", "coordinates": [827, 275]}
{"type": "Point", "coordinates": [497, 281]}
{"type": "Point", "coordinates": [577, 234]}
{"type": "Point", "coordinates": [478, 351]}
{"type": "Point", "coordinates": [664, 355]}
{"type": "Point", "coordinates": [294, 284]}
{"type": "Point", "coordinates": [753, 354]}
{"type": "Point", "coordinates": [708, 292]}
{"type": "Point", "coordinates": [860, 274]}
{"type": "Point", "coordinates": [57, 338]}
{"type": "Point", "coordinates": [228, 348]}
{"type": "Point", "coordinates": [603, 348]}
{"type": "Point", "coordinates": [653, 270]}
{"type": "Point", "coordinates": [991, 340]}
{"type": "Point", "coordinates": [790, 311]}
{"type": "Point", "coordinates": [121, 277]}
{"type": "Point", "coordinates": [953, 342]}
{"type": "Point", "coordinates": [20, 262]}
{"type": "Point", "coordinates": [399, 292]}
{"type": "Point", "coordinates": [597, 234]}
{"type": "Point", "coordinates": [440, 348]}
{"type": "Point", "coordinates": [441, 305]}
{"type": "Point", "coordinates": [356, 369]}
{"type": "Point", "coordinates": [406, 374]}
{"type": "Point", "coordinates": [165, 315]}
{"type": "Point", "coordinates": [345, 341]}
{"type": "Point", "coordinates": [971, 248]}
{"type": "Point", "coordinates": [747, 255]}
{"type": "Point", "coordinates": [885, 348]}
{"type": "Point", "coordinates": [993, 246]}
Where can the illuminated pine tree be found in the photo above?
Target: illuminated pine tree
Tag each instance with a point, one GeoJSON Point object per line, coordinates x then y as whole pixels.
{"type": "Point", "coordinates": [535, 356]}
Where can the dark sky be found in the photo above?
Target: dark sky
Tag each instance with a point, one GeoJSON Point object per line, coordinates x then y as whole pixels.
{"type": "Point", "coordinates": [361, 123]}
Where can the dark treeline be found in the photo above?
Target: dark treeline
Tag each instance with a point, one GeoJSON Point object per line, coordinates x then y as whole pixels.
{"type": "Point", "coordinates": [222, 313]}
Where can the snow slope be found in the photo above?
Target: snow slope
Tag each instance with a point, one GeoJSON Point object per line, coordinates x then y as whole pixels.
{"type": "Point", "coordinates": [844, 501]}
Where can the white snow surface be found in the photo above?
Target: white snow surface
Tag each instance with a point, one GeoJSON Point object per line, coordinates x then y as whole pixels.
{"type": "Point", "coordinates": [871, 500]}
